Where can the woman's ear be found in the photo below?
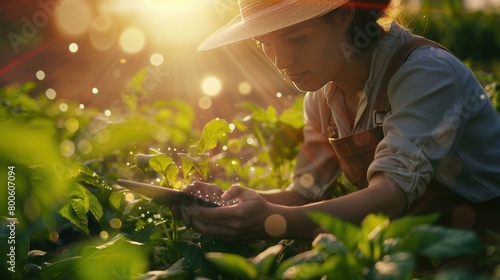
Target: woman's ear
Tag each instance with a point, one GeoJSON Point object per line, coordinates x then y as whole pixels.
{"type": "Point", "coordinates": [343, 16]}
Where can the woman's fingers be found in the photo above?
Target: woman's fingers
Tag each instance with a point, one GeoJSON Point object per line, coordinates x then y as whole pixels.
{"type": "Point", "coordinates": [240, 193]}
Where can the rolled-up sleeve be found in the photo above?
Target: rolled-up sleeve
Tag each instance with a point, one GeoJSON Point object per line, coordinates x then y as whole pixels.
{"type": "Point", "coordinates": [317, 167]}
{"type": "Point", "coordinates": [417, 133]}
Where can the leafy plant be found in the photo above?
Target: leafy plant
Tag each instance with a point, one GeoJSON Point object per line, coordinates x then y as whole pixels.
{"type": "Point", "coordinates": [378, 249]}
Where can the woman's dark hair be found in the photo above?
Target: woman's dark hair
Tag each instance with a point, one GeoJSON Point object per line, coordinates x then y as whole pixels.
{"type": "Point", "coordinates": [364, 27]}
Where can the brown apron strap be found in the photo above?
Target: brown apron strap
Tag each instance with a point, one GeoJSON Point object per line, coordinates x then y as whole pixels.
{"type": "Point", "coordinates": [382, 100]}
{"type": "Point", "coordinates": [356, 152]}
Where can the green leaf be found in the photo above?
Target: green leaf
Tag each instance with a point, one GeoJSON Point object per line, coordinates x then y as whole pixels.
{"type": "Point", "coordinates": [91, 178]}
{"type": "Point", "coordinates": [160, 163]}
{"type": "Point", "coordinates": [301, 258]}
{"type": "Point", "coordinates": [370, 242]}
{"type": "Point", "coordinates": [396, 266]}
{"type": "Point", "coordinates": [264, 261]}
{"type": "Point", "coordinates": [118, 258]}
{"type": "Point", "coordinates": [75, 210]}
{"type": "Point", "coordinates": [76, 207]}
{"type": "Point", "coordinates": [164, 165]}
{"type": "Point", "coordinates": [240, 125]}
{"type": "Point", "coordinates": [142, 162]}
{"type": "Point", "coordinates": [348, 233]}
{"type": "Point", "coordinates": [334, 267]}
{"type": "Point", "coordinates": [198, 163]}
{"type": "Point", "coordinates": [329, 243]}
{"type": "Point", "coordinates": [193, 254]}
{"type": "Point", "coordinates": [399, 227]}
{"type": "Point", "coordinates": [303, 271]}
{"type": "Point", "coordinates": [95, 206]}
{"type": "Point", "coordinates": [342, 267]}
{"type": "Point", "coordinates": [116, 198]}
{"type": "Point", "coordinates": [212, 132]}
{"type": "Point", "coordinates": [440, 242]}
{"type": "Point", "coordinates": [293, 118]}
{"type": "Point", "coordinates": [233, 264]}
{"type": "Point", "coordinates": [178, 271]}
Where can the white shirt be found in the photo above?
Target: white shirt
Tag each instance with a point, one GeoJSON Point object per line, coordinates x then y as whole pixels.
{"type": "Point", "coordinates": [442, 125]}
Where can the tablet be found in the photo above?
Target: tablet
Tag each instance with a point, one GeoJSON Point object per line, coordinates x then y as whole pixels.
{"type": "Point", "coordinates": [164, 195]}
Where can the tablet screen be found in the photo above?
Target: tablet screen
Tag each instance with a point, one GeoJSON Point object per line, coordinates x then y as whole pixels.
{"type": "Point", "coordinates": [164, 195]}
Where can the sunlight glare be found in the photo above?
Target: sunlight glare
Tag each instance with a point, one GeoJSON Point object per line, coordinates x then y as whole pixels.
{"type": "Point", "coordinates": [211, 86]}
{"type": "Point", "coordinates": [132, 40]}
{"type": "Point", "coordinates": [172, 21]}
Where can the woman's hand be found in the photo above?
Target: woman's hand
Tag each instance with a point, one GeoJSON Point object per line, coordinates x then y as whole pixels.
{"type": "Point", "coordinates": [208, 192]}
{"type": "Point", "coordinates": [244, 220]}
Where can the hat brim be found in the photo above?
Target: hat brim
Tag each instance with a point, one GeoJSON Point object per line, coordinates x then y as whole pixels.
{"type": "Point", "coordinates": [238, 30]}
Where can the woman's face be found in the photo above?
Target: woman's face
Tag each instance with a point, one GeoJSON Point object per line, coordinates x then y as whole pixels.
{"type": "Point", "coordinates": [309, 53]}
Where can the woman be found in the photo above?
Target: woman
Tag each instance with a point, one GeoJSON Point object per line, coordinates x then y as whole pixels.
{"type": "Point", "coordinates": [433, 144]}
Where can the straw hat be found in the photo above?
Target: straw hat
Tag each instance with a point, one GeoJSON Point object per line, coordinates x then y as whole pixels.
{"type": "Point", "coordinates": [258, 17]}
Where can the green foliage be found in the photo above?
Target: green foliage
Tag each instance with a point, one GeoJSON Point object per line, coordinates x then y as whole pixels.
{"type": "Point", "coordinates": [468, 34]}
{"type": "Point", "coordinates": [378, 249]}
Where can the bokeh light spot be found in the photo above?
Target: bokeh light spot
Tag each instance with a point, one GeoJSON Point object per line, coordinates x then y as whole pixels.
{"type": "Point", "coordinates": [156, 59]}
{"type": "Point", "coordinates": [115, 223]}
{"type": "Point", "coordinates": [275, 225]}
{"type": "Point", "coordinates": [63, 107]}
{"type": "Point", "coordinates": [307, 180]}
{"type": "Point", "coordinates": [84, 147]}
{"type": "Point", "coordinates": [73, 47]}
{"type": "Point", "coordinates": [104, 235]}
{"type": "Point", "coordinates": [129, 197]}
{"type": "Point", "coordinates": [103, 32]}
{"type": "Point", "coordinates": [67, 148]}
{"type": "Point", "coordinates": [107, 113]}
{"type": "Point", "coordinates": [95, 90]}
{"type": "Point", "coordinates": [73, 16]}
{"type": "Point", "coordinates": [244, 88]}
{"type": "Point", "coordinates": [40, 75]}
{"type": "Point", "coordinates": [72, 125]}
{"type": "Point", "coordinates": [50, 93]}
{"type": "Point", "coordinates": [132, 40]}
{"type": "Point", "coordinates": [117, 73]}
{"type": "Point", "coordinates": [211, 86]}
{"type": "Point", "coordinates": [53, 236]}
{"type": "Point", "coordinates": [205, 102]}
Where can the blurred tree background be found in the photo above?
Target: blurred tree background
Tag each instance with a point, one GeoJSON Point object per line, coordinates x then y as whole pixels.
{"type": "Point", "coordinates": [468, 28]}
